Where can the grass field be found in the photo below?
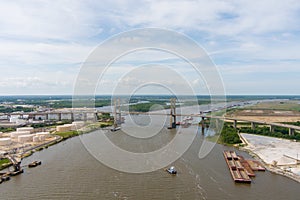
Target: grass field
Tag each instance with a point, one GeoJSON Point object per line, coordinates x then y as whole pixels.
{"type": "Point", "coordinates": [277, 105]}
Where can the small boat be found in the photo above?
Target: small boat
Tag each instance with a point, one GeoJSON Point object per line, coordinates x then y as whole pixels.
{"type": "Point", "coordinates": [5, 178]}
{"type": "Point", "coordinates": [16, 172]}
{"type": "Point", "coordinates": [172, 170]}
{"type": "Point", "coordinates": [34, 163]}
{"type": "Point", "coordinates": [115, 129]}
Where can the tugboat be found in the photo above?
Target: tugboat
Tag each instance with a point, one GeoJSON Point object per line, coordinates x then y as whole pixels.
{"type": "Point", "coordinates": [4, 178]}
{"type": "Point", "coordinates": [172, 170]}
{"type": "Point", "coordinates": [14, 173]}
{"type": "Point", "coordinates": [34, 163]}
{"type": "Point", "coordinates": [115, 129]}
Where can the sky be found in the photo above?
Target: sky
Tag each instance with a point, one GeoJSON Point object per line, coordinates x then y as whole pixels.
{"type": "Point", "coordinates": [254, 45]}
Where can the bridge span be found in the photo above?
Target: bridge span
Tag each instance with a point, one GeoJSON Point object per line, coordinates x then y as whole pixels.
{"type": "Point", "coordinates": [92, 114]}
{"type": "Point", "coordinates": [253, 123]}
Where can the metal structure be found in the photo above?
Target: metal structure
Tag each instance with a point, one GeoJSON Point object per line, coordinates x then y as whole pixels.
{"type": "Point", "coordinates": [15, 162]}
{"type": "Point", "coordinates": [117, 113]}
{"type": "Point", "coordinates": [172, 113]}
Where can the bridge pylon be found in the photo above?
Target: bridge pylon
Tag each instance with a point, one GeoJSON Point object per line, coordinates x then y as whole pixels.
{"type": "Point", "coordinates": [117, 113]}
{"type": "Point", "coordinates": [172, 113]}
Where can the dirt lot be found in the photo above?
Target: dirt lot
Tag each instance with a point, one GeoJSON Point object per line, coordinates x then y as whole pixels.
{"type": "Point", "coordinates": [285, 153]}
{"type": "Point", "coordinates": [266, 115]}
{"type": "Point", "coordinates": [270, 118]}
{"type": "Point", "coordinates": [285, 105]}
{"type": "Point", "coordinates": [270, 111]}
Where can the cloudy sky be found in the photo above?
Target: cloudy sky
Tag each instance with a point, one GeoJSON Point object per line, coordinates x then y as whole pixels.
{"type": "Point", "coordinates": [254, 44]}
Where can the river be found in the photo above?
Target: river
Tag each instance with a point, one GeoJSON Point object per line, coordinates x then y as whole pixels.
{"type": "Point", "coordinates": [69, 171]}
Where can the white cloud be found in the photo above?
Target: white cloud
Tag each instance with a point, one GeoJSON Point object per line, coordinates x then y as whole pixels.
{"type": "Point", "coordinates": [46, 40]}
{"type": "Point", "coordinates": [216, 16]}
{"type": "Point", "coordinates": [36, 53]}
{"type": "Point", "coordinates": [62, 20]}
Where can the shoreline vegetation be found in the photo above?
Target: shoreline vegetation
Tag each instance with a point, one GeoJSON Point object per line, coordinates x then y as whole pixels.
{"type": "Point", "coordinates": [229, 135]}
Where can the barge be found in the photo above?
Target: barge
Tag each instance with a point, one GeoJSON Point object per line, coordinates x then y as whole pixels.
{"type": "Point", "coordinates": [240, 169]}
{"type": "Point", "coordinates": [237, 171]}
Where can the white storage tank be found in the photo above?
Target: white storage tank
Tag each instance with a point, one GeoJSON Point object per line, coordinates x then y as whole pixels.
{"type": "Point", "coordinates": [14, 135]}
{"type": "Point", "coordinates": [36, 138]}
{"type": "Point", "coordinates": [42, 138]}
{"type": "Point", "coordinates": [46, 134]}
{"type": "Point", "coordinates": [65, 127]}
{"type": "Point", "coordinates": [25, 138]}
{"type": "Point", "coordinates": [30, 129]}
{"type": "Point", "coordinates": [5, 141]}
{"type": "Point", "coordinates": [77, 124]}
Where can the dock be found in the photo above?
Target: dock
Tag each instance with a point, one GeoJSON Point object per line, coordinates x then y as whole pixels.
{"type": "Point", "coordinates": [241, 169]}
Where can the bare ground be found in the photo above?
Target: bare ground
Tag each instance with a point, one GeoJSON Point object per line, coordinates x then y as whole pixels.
{"type": "Point", "coordinates": [266, 115]}
{"type": "Point", "coordinates": [284, 153]}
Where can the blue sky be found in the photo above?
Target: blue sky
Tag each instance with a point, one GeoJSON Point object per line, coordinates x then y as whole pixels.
{"type": "Point", "coordinates": [255, 44]}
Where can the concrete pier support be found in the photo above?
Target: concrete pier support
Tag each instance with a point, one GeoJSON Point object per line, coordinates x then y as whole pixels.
{"type": "Point", "coordinates": [291, 131]}
{"type": "Point", "coordinates": [218, 123]}
{"type": "Point", "coordinates": [252, 125]}
{"type": "Point", "coordinates": [202, 130]}
{"type": "Point", "coordinates": [172, 113]}
{"type": "Point", "coordinates": [202, 125]}
{"type": "Point", "coordinates": [59, 116]}
{"type": "Point", "coordinates": [202, 122]}
{"type": "Point", "coordinates": [234, 124]}
{"type": "Point", "coordinates": [272, 128]}
{"type": "Point", "coordinates": [85, 117]}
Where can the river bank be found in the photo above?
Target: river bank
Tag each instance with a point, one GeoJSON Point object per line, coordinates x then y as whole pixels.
{"type": "Point", "coordinates": [69, 171]}
{"type": "Point", "coordinates": [278, 155]}
{"type": "Point", "coordinates": [58, 137]}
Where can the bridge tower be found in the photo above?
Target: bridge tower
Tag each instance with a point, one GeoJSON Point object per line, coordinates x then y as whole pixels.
{"type": "Point", "coordinates": [117, 113]}
{"type": "Point", "coordinates": [172, 113]}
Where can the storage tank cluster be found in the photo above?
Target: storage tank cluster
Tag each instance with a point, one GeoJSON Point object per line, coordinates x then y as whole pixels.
{"type": "Point", "coordinates": [25, 138]}
{"type": "Point", "coordinates": [64, 128]}
{"type": "Point", "coordinates": [5, 141]}
{"type": "Point", "coordinates": [41, 136]}
{"type": "Point", "coordinates": [70, 127]}
{"type": "Point", "coordinates": [23, 134]}
{"type": "Point", "coordinates": [38, 137]}
{"type": "Point", "coordinates": [77, 124]}
{"type": "Point", "coordinates": [30, 129]}
{"type": "Point", "coordinates": [16, 134]}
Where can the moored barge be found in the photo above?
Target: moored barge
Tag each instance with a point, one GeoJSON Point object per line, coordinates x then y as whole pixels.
{"type": "Point", "coordinates": [237, 171]}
